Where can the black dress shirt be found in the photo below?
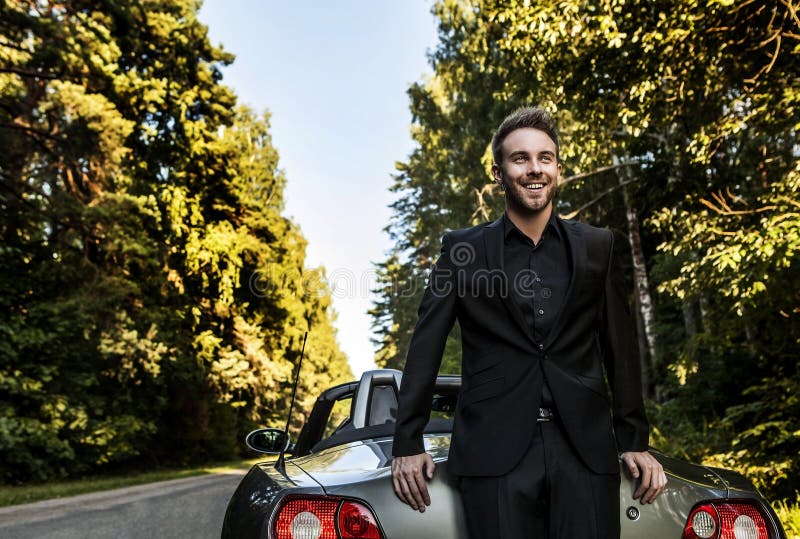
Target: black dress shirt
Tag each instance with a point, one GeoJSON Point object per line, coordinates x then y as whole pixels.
{"type": "Point", "coordinates": [538, 276]}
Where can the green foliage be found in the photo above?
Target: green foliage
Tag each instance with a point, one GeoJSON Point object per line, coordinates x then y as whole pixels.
{"type": "Point", "coordinates": [789, 515]}
{"type": "Point", "coordinates": [152, 292]}
{"type": "Point", "coordinates": [682, 113]}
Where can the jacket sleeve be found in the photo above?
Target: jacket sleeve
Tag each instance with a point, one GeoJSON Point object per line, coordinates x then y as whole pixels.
{"type": "Point", "coordinates": [435, 320]}
{"type": "Point", "coordinates": [621, 358]}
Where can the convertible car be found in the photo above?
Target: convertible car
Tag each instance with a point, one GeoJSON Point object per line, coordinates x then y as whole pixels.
{"type": "Point", "coordinates": [335, 482]}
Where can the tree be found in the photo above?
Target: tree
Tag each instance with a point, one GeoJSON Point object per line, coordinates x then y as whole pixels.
{"type": "Point", "coordinates": [678, 132]}
{"type": "Point", "coordinates": [142, 224]}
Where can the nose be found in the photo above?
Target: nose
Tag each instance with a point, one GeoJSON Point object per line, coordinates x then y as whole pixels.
{"type": "Point", "coordinates": [535, 167]}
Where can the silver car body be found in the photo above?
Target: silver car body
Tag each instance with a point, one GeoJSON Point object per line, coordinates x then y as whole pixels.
{"type": "Point", "coordinates": [361, 469]}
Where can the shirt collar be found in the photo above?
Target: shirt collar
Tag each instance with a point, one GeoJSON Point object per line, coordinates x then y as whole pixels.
{"type": "Point", "coordinates": [550, 228]}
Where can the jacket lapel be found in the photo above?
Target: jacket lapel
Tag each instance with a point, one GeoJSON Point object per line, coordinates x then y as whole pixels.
{"type": "Point", "coordinates": [494, 241]}
{"type": "Point", "coordinates": [577, 250]}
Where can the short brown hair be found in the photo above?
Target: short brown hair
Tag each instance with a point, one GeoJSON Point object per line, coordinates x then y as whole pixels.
{"type": "Point", "coordinates": [532, 117]}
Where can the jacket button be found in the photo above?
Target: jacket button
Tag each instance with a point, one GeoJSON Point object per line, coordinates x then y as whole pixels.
{"type": "Point", "coordinates": [541, 347]}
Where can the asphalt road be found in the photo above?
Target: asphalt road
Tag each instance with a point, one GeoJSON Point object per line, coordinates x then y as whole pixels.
{"type": "Point", "coordinates": [191, 508]}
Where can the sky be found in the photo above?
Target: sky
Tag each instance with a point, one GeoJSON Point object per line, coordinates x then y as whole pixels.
{"type": "Point", "coordinates": [333, 76]}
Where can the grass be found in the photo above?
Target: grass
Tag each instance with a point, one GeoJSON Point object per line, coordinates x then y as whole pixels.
{"type": "Point", "coordinates": [13, 495]}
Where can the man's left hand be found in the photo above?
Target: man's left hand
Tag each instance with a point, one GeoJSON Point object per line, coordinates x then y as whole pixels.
{"type": "Point", "coordinates": [642, 465]}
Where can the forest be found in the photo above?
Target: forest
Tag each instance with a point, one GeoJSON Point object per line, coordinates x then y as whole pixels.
{"type": "Point", "coordinates": [153, 296]}
{"type": "Point", "coordinates": [679, 132]}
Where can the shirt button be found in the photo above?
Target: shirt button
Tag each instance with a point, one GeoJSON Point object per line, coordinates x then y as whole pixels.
{"type": "Point", "coordinates": [541, 311]}
{"type": "Point", "coordinates": [538, 279]}
{"type": "Point", "coordinates": [541, 346]}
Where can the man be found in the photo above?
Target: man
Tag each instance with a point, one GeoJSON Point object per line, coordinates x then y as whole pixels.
{"type": "Point", "coordinates": [543, 313]}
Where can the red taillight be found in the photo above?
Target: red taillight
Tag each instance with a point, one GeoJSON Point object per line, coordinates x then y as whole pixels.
{"type": "Point", "coordinates": [742, 521]}
{"type": "Point", "coordinates": [324, 517]}
{"type": "Point", "coordinates": [307, 518]}
{"type": "Point", "coordinates": [725, 520]}
{"type": "Point", "coordinates": [357, 522]}
{"type": "Point", "coordinates": [703, 523]}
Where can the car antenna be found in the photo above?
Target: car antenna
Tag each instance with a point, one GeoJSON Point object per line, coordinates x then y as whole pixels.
{"type": "Point", "coordinates": [280, 465]}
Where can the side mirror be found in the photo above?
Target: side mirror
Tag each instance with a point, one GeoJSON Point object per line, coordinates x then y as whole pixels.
{"type": "Point", "coordinates": [269, 441]}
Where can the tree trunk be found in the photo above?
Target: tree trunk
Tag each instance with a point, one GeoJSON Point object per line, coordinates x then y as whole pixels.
{"type": "Point", "coordinates": [689, 320]}
{"type": "Point", "coordinates": [644, 303]}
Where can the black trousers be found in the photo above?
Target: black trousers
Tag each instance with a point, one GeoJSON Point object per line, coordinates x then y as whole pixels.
{"type": "Point", "coordinates": [550, 494]}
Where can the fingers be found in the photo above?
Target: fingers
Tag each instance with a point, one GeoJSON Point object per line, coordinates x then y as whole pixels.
{"type": "Point", "coordinates": [644, 483]}
{"type": "Point", "coordinates": [657, 484]}
{"type": "Point", "coordinates": [399, 489]}
{"type": "Point", "coordinates": [409, 482]}
{"type": "Point", "coordinates": [429, 466]}
{"type": "Point", "coordinates": [418, 488]}
{"type": "Point", "coordinates": [628, 459]}
{"type": "Point", "coordinates": [653, 479]}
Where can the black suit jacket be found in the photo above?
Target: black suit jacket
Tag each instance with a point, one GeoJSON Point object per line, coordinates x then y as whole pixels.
{"type": "Point", "coordinates": [504, 367]}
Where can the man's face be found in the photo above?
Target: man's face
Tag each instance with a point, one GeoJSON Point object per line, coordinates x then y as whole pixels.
{"type": "Point", "coordinates": [529, 170]}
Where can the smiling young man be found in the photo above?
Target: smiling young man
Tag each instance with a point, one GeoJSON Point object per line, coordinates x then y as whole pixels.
{"type": "Point", "coordinates": [544, 320]}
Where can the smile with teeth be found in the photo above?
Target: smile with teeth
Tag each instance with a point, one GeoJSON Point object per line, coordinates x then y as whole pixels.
{"type": "Point", "coordinates": [533, 186]}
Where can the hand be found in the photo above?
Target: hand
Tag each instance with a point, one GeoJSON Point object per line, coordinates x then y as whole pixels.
{"type": "Point", "coordinates": [642, 465]}
{"type": "Point", "coordinates": [409, 483]}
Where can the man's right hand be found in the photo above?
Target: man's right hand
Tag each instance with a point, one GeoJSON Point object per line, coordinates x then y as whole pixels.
{"type": "Point", "coordinates": [409, 482]}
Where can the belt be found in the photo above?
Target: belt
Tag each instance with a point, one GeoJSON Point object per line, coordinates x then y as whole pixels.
{"type": "Point", "coordinates": [545, 414]}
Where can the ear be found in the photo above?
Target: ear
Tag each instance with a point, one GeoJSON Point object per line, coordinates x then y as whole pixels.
{"type": "Point", "coordinates": [497, 174]}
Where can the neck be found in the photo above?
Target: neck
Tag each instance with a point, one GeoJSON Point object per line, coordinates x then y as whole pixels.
{"type": "Point", "coordinates": [532, 224]}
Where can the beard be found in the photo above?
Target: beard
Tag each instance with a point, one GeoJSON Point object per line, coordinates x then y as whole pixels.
{"type": "Point", "coordinates": [522, 200]}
